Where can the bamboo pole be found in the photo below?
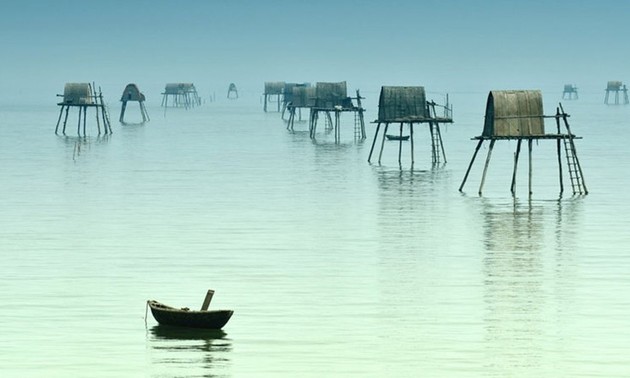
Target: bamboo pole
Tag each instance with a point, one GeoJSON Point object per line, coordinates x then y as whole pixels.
{"type": "Point", "coordinates": [378, 126]}
{"type": "Point", "coordinates": [529, 147]}
{"type": "Point", "coordinates": [485, 168]}
{"type": "Point", "coordinates": [59, 119]}
{"type": "Point", "coordinates": [400, 144]}
{"type": "Point", "coordinates": [471, 164]}
{"type": "Point", "coordinates": [411, 140]}
{"type": "Point", "coordinates": [516, 155]}
{"type": "Point", "coordinates": [380, 155]}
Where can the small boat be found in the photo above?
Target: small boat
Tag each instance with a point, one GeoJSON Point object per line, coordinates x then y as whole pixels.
{"type": "Point", "coordinates": [397, 137]}
{"type": "Point", "coordinates": [185, 317]}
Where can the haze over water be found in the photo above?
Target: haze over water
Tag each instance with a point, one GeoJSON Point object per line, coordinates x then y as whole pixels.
{"type": "Point", "coordinates": [334, 267]}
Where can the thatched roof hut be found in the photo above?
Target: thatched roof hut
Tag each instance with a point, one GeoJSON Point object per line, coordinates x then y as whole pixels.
{"type": "Point", "coordinates": [274, 87]}
{"type": "Point", "coordinates": [132, 93]}
{"type": "Point", "coordinates": [514, 113]}
{"type": "Point", "coordinates": [330, 95]}
{"type": "Point", "coordinates": [77, 94]}
{"type": "Point", "coordinates": [402, 104]}
{"type": "Point", "coordinates": [614, 85]}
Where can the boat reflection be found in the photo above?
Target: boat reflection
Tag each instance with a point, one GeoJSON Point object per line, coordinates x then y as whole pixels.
{"type": "Point", "coordinates": [179, 351]}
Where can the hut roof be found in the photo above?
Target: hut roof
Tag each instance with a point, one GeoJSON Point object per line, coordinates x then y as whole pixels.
{"type": "Point", "coordinates": [274, 87]}
{"type": "Point", "coordinates": [614, 85]}
{"type": "Point", "coordinates": [514, 113]}
{"type": "Point", "coordinates": [303, 97]}
{"type": "Point", "coordinates": [288, 90]}
{"type": "Point", "coordinates": [330, 95]}
{"type": "Point", "coordinates": [132, 93]}
{"type": "Point", "coordinates": [77, 94]}
{"type": "Point", "coordinates": [402, 104]}
{"type": "Point", "coordinates": [179, 88]}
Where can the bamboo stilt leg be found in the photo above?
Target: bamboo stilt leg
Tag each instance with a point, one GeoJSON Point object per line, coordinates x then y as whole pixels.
{"type": "Point", "coordinates": [439, 133]}
{"type": "Point", "coordinates": [380, 155]}
{"type": "Point", "coordinates": [122, 111]}
{"type": "Point", "coordinates": [411, 138]}
{"type": "Point", "coordinates": [79, 124]}
{"type": "Point", "coordinates": [485, 168]}
{"type": "Point", "coordinates": [84, 119]}
{"type": "Point", "coordinates": [65, 120]}
{"type": "Point", "coordinates": [518, 151]}
{"type": "Point", "coordinates": [378, 126]}
{"type": "Point", "coordinates": [529, 147]}
{"type": "Point", "coordinates": [400, 145]}
{"type": "Point", "coordinates": [471, 164]}
{"type": "Point", "coordinates": [59, 119]}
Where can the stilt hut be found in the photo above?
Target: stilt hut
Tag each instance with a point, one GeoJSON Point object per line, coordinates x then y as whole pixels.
{"type": "Point", "coordinates": [570, 92]}
{"type": "Point", "coordinates": [616, 87]}
{"type": "Point", "coordinates": [232, 92]}
{"type": "Point", "coordinates": [333, 97]}
{"type": "Point", "coordinates": [82, 96]}
{"type": "Point", "coordinates": [274, 92]}
{"type": "Point", "coordinates": [408, 106]}
{"type": "Point", "coordinates": [182, 95]}
{"type": "Point", "coordinates": [288, 101]}
{"type": "Point", "coordinates": [303, 97]}
{"type": "Point", "coordinates": [132, 93]}
{"type": "Point", "coordinates": [518, 115]}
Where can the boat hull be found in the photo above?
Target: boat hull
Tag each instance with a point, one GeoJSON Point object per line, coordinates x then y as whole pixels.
{"type": "Point", "coordinates": [171, 316]}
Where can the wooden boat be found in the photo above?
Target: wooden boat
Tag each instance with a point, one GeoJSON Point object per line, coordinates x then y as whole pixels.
{"type": "Point", "coordinates": [184, 317]}
{"type": "Point", "coordinates": [397, 137]}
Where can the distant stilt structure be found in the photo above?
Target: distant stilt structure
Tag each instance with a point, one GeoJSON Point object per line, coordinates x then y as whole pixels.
{"type": "Point", "coordinates": [616, 87]}
{"type": "Point", "coordinates": [408, 106]}
{"type": "Point", "coordinates": [232, 92]}
{"type": "Point", "coordinates": [82, 96]}
{"type": "Point", "coordinates": [132, 93]}
{"type": "Point", "coordinates": [182, 95]}
{"type": "Point", "coordinates": [570, 92]}
{"type": "Point", "coordinates": [518, 115]}
{"type": "Point", "coordinates": [287, 97]}
{"type": "Point", "coordinates": [302, 97]}
{"type": "Point", "coordinates": [274, 92]}
{"type": "Point", "coordinates": [333, 98]}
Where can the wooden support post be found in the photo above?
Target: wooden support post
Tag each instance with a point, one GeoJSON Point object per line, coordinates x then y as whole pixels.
{"type": "Point", "coordinates": [529, 146]}
{"type": "Point", "coordinates": [122, 111]}
{"type": "Point", "coordinates": [79, 124]}
{"type": "Point", "coordinates": [337, 126]}
{"type": "Point", "coordinates": [400, 144]}
{"type": "Point", "coordinates": [471, 164]}
{"type": "Point", "coordinates": [378, 126]}
{"type": "Point", "coordinates": [206, 301]}
{"type": "Point", "coordinates": [59, 119]}
{"type": "Point", "coordinates": [516, 154]}
{"type": "Point", "coordinates": [411, 140]}
{"type": "Point", "coordinates": [84, 119]}
{"type": "Point", "coordinates": [485, 167]}
{"type": "Point", "coordinates": [65, 120]}
{"type": "Point", "coordinates": [380, 155]}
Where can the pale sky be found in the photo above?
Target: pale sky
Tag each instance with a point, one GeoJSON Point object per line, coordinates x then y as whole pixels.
{"type": "Point", "coordinates": [445, 45]}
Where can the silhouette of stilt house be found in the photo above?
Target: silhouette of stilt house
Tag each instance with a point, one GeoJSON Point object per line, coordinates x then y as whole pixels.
{"type": "Point", "coordinates": [132, 93]}
{"type": "Point", "coordinates": [82, 96]}
{"type": "Point", "coordinates": [333, 97]}
{"type": "Point", "coordinates": [616, 87]}
{"type": "Point", "coordinates": [232, 92]}
{"type": "Point", "coordinates": [287, 97]}
{"type": "Point", "coordinates": [302, 97]}
{"type": "Point", "coordinates": [408, 106]}
{"type": "Point", "coordinates": [518, 115]}
{"type": "Point", "coordinates": [182, 95]}
{"type": "Point", "coordinates": [570, 92]}
{"type": "Point", "coordinates": [274, 90]}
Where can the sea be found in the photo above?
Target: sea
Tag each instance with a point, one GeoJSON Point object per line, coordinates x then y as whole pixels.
{"type": "Point", "coordinates": [334, 266]}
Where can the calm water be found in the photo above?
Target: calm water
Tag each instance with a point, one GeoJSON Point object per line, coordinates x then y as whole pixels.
{"type": "Point", "coordinates": [334, 267]}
